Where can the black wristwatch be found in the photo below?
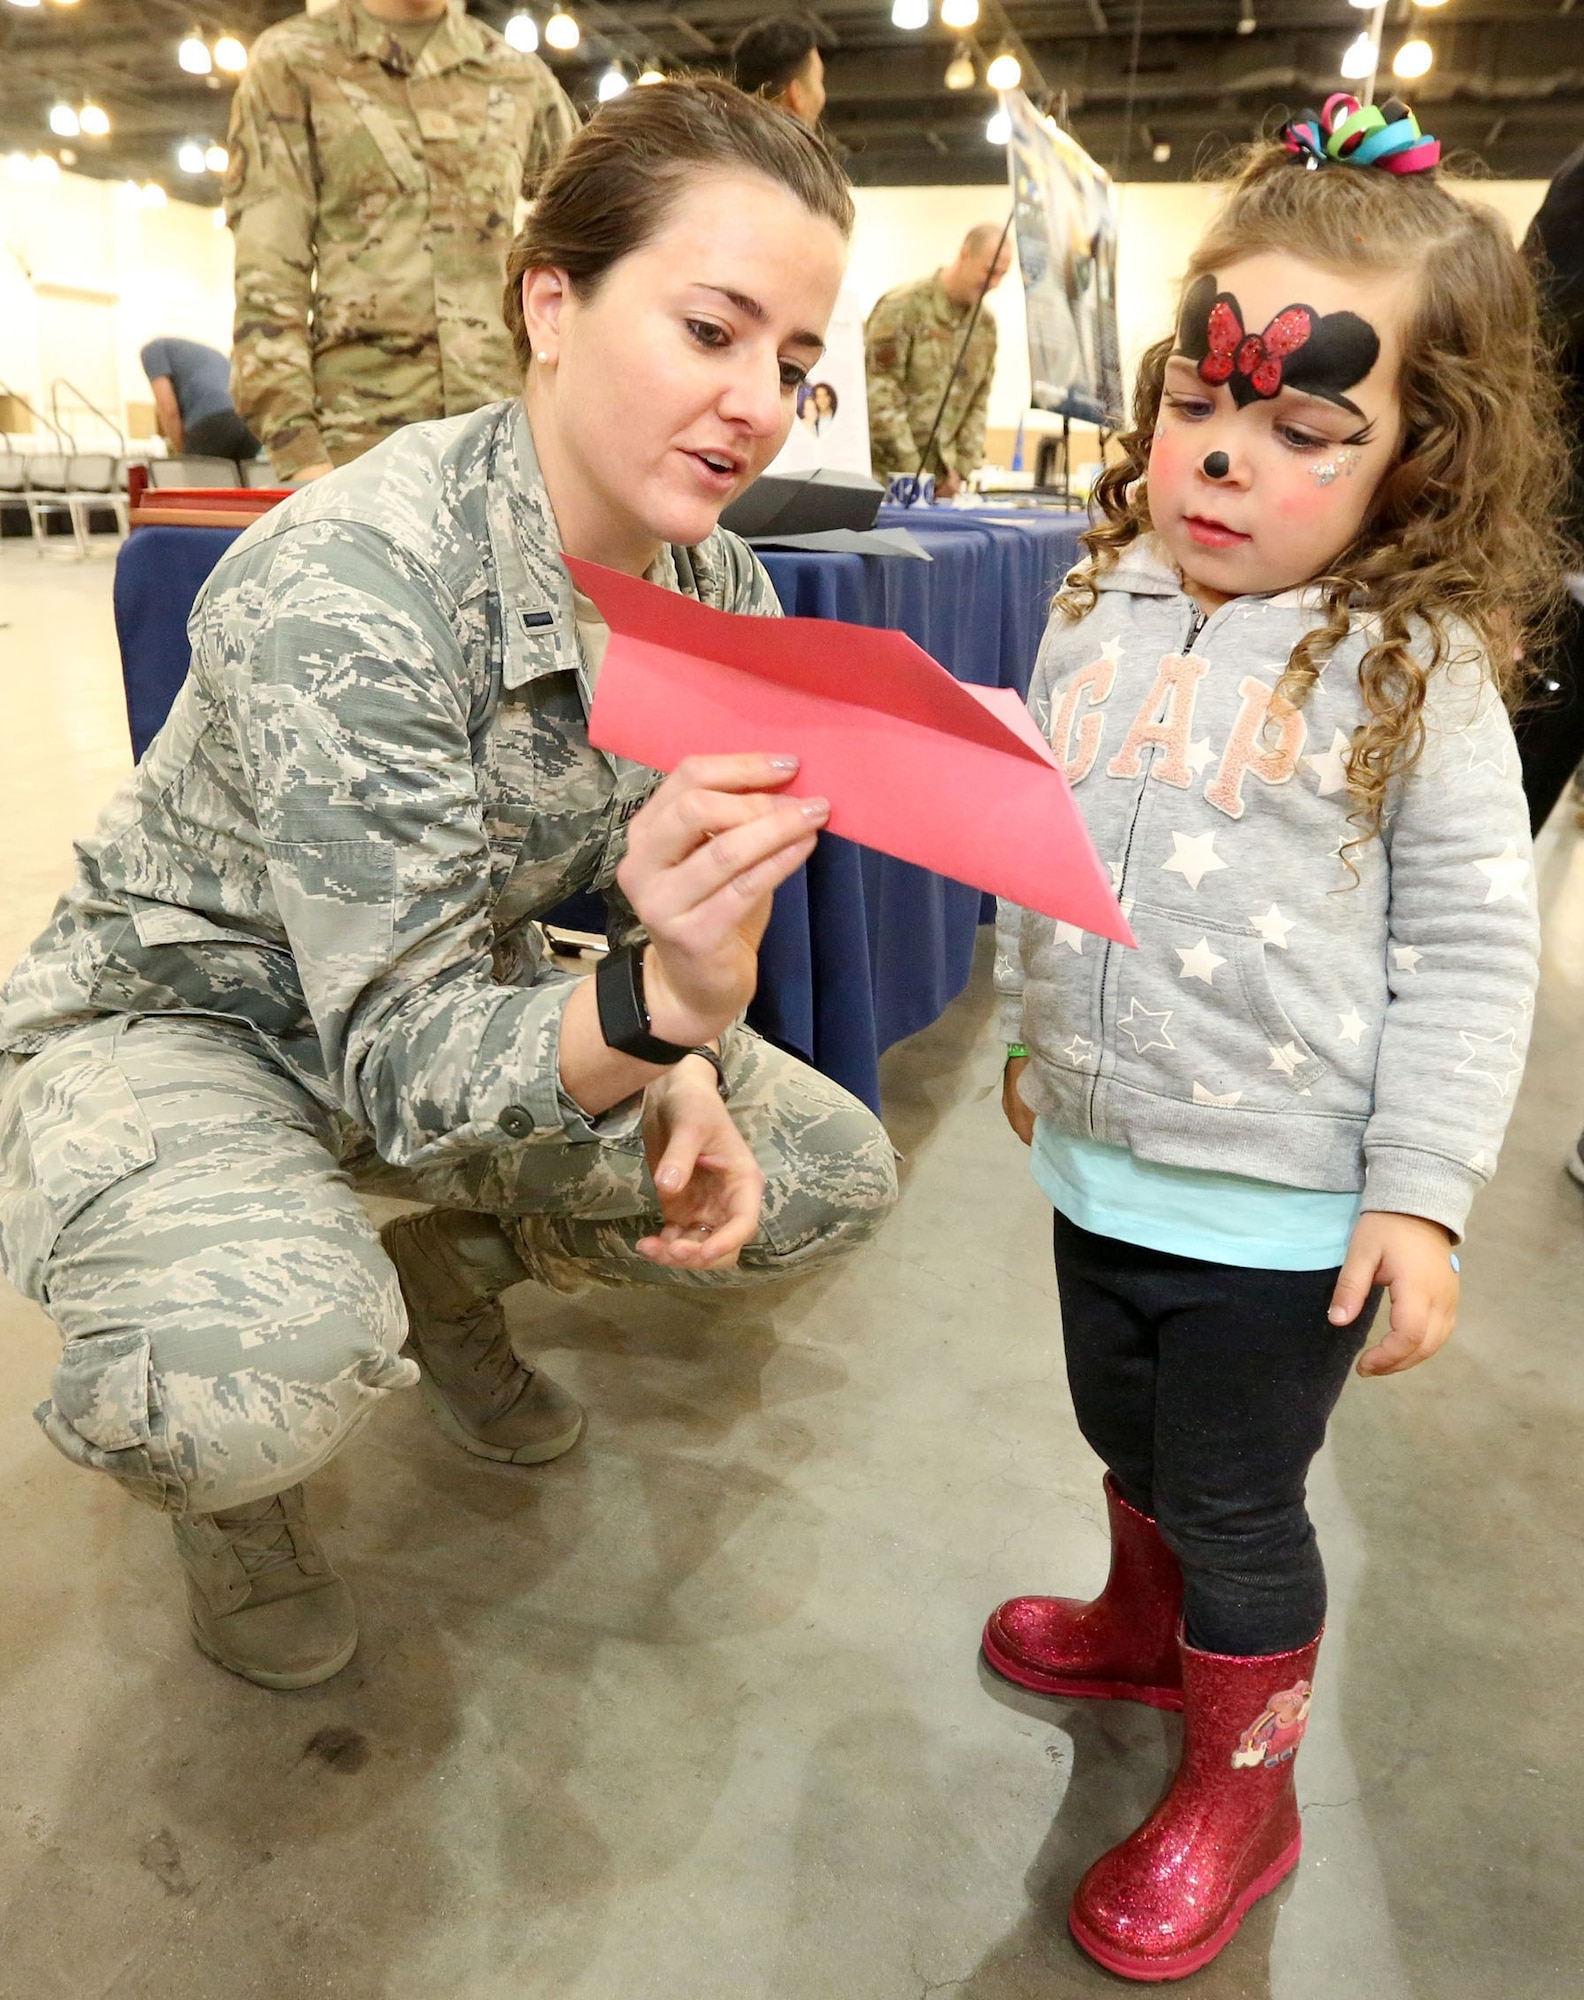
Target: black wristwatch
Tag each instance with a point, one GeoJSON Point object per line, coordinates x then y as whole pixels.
{"type": "Point", "coordinates": [624, 1015]}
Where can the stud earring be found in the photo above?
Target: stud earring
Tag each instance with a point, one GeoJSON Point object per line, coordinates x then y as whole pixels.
{"type": "Point", "coordinates": [541, 355]}
{"type": "Point", "coordinates": [1217, 465]}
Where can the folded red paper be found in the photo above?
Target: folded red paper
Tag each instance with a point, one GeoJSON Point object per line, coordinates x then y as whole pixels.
{"type": "Point", "coordinates": [921, 766]}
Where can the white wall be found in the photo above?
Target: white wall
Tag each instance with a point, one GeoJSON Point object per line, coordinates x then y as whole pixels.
{"type": "Point", "coordinates": [87, 276]}
{"type": "Point", "coordinates": [905, 232]}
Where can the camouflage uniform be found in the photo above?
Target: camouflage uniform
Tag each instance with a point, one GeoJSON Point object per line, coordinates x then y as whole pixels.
{"type": "Point", "coordinates": [910, 343]}
{"type": "Point", "coordinates": [373, 205]}
{"type": "Point", "coordinates": [301, 944]}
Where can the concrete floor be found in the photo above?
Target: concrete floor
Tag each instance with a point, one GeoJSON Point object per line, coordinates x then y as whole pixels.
{"type": "Point", "coordinates": [696, 1713]}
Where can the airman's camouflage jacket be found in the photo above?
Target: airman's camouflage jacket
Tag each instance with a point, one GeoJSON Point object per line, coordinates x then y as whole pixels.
{"type": "Point", "coordinates": [376, 776]}
{"type": "Point", "coordinates": [910, 345]}
{"type": "Point", "coordinates": [373, 206]}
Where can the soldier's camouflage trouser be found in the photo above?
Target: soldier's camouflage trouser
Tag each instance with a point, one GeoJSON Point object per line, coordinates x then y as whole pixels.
{"type": "Point", "coordinates": [184, 1212]}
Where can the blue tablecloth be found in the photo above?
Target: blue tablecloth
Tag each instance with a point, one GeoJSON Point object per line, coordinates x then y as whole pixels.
{"type": "Point", "coordinates": [862, 950]}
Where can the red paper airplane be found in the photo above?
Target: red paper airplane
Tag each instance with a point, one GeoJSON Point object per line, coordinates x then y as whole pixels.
{"type": "Point", "coordinates": [933, 770]}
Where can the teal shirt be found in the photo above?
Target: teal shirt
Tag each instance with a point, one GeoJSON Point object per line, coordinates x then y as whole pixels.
{"type": "Point", "coordinates": [1220, 1218]}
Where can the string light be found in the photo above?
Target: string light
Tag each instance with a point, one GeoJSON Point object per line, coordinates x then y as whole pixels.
{"type": "Point", "coordinates": [152, 195]}
{"type": "Point", "coordinates": [999, 130]}
{"type": "Point", "coordinates": [218, 217]}
{"type": "Point", "coordinates": [1160, 152]}
{"type": "Point", "coordinates": [230, 55]}
{"type": "Point", "coordinates": [522, 32]}
{"type": "Point", "coordinates": [1360, 58]}
{"type": "Point", "coordinates": [652, 76]}
{"type": "Point", "coordinates": [64, 122]}
{"type": "Point", "coordinates": [194, 57]}
{"type": "Point", "coordinates": [562, 32]}
{"type": "Point", "coordinates": [910, 13]}
{"type": "Point", "coordinates": [960, 72]}
{"type": "Point", "coordinates": [1413, 58]}
{"type": "Point", "coordinates": [190, 157]}
{"type": "Point", "coordinates": [612, 84]}
{"type": "Point", "coordinates": [217, 159]}
{"type": "Point", "coordinates": [94, 120]}
{"type": "Point", "coordinates": [959, 13]}
{"type": "Point", "coordinates": [1005, 72]}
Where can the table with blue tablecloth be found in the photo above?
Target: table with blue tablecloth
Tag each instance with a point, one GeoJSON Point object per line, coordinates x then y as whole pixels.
{"type": "Point", "coordinates": [862, 950]}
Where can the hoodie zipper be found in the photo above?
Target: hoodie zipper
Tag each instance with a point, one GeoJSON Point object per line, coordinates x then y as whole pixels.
{"type": "Point", "coordinates": [1198, 619]}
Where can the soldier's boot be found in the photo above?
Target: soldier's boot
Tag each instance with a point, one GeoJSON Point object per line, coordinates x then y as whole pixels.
{"type": "Point", "coordinates": [261, 1595]}
{"type": "Point", "coordinates": [453, 1266]}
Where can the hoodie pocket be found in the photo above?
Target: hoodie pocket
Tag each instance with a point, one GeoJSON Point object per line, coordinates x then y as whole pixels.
{"type": "Point", "coordinates": [1195, 1016]}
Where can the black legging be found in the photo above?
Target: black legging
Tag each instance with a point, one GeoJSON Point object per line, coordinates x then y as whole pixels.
{"type": "Point", "coordinates": [1206, 1390]}
{"type": "Point", "coordinates": [1550, 726]}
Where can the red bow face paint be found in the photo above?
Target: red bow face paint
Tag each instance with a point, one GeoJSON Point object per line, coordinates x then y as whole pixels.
{"type": "Point", "coordinates": [1279, 416]}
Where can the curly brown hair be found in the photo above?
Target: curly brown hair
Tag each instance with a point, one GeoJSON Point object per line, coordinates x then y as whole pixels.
{"type": "Point", "coordinates": [1464, 529]}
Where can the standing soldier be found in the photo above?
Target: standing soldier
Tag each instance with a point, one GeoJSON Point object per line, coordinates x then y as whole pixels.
{"type": "Point", "coordinates": [378, 152]}
{"type": "Point", "coordinates": [911, 343]}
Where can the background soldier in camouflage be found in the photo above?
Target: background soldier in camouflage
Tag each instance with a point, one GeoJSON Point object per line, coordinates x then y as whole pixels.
{"type": "Point", "coordinates": [910, 344]}
{"type": "Point", "coordinates": [376, 166]}
{"type": "Point", "coordinates": [303, 948]}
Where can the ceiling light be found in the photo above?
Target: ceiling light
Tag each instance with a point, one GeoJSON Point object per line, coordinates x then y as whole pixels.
{"type": "Point", "coordinates": [959, 13]}
{"type": "Point", "coordinates": [999, 130]}
{"type": "Point", "coordinates": [653, 76]}
{"type": "Point", "coordinates": [612, 84]}
{"type": "Point", "coordinates": [45, 168]}
{"type": "Point", "coordinates": [231, 55]}
{"type": "Point", "coordinates": [1360, 58]}
{"type": "Point", "coordinates": [67, 157]}
{"type": "Point", "coordinates": [217, 159]}
{"type": "Point", "coordinates": [1160, 152]}
{"type": "Point", "coordinates": [1246, 21]}
{"type": "Point", "coordinates": [1413, 58]}
{"type": "Point", "coordinates": [1005, 72]}
{"type": "Point", "coordinates": [960, 72]}
{"type": "Point", "coordinates": [64, 122]}
{"type": "Point", "coordinates": [94, 120]}
{"type": "Point", "coordinates": [562, 32]}
{"type": "Point", "coordinates": [194, 56]}
{"type": "Point", "coordinates": [190, 157]}
{"type": "Point", "coordinates": [522, 32]}
{"type": "Point", "coordinates": [152, 195]}
{"type": "Point", "coordinates": [910, 13]}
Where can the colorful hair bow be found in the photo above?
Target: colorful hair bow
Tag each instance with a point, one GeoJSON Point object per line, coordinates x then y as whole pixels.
{"type": "Point", "coordinates": [1374, 135]}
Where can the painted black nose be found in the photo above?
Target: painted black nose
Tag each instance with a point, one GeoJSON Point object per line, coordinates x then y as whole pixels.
{"type": "Point", "coordinates": [1217, 465]}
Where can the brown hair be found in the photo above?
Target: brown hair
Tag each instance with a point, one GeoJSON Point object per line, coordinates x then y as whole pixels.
{"type": "Point", "coordinates": [613, 186]}
{"type": "Point", "coordinates": [1463, 526]}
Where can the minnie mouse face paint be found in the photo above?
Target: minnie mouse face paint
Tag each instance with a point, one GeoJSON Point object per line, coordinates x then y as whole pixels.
{"type": "Point", "coordinates": [1278, 419]}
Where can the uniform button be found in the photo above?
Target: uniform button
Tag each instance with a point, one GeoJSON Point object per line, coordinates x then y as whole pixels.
{"type": "Point", "coordinates": [515, 1122]}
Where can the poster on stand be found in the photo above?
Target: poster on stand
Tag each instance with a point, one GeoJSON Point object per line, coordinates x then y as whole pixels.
{"type": "Point", "coordinates": [1066, 218]}
{"type": "Point", "coordinates": [831, 429]}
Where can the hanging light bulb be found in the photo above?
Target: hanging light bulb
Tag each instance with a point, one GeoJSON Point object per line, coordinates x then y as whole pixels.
{"type": "Point", "coordinates": [152, 195]}
{"type": "Point", "coordinates": [231, 55]}
{"type": "Point", "coordinates": [217, 159]}
{"type": "Point", "coordinates": [19, 166]}
{"type": "Point", "coordinates": [45, 167]}
{"type": "Point", "coordinates": [194, 57]}
{"type": "Point", "coordinates": [562, 32]}
{"type": "Point", "coordinates": [64, 122]}
{"type": "Point", "coordinates": [94, 120]}
{"type": "Point", "coordinates": [959, 13]}
{"type": "Point", "coordinates": [612, 84]}
{"type": "Point", "coordinates": [1160, 152]}
{"type": "Point", "coordinates": [910, 13]}
{"type": "Point", "coordinates": [999, 130]}
{"type": "Point", "coordinates": [1005, 72]}
{"type": "Point", "coordinates": [190, 157]}
{"type": "Point", "coordinates": [653, 76]}
{"type": "Point", "coordinates": [1413, 58]}
{"type": "Point", "coordinates": [522, 32]}
{"type": "Point", "coordinates": [1359, 59]}
{"type": "Point", "coordinates": [960, 72]}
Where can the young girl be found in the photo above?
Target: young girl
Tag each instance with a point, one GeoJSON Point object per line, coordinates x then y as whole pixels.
{"type": "Point", "coordinates": [1277, 684]}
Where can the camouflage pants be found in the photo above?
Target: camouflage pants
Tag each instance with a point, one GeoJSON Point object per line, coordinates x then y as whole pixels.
{"type": "Point", "coordinates": [185, 1213]}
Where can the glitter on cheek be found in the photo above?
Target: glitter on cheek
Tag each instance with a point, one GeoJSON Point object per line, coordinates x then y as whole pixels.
{"type": "Point", "coordinates": [1345, 462]}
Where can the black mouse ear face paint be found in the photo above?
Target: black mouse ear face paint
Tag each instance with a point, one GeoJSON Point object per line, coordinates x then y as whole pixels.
{"type": "Point", "coordinates": [1320, 354]}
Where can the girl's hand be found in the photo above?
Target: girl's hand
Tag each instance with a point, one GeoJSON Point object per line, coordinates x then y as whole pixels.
{"type": "Point", "coordinates": [1413, 1258]}
{"type": "Point", "coordinates": [709, 1183]}
{"type": "Point", "coordinates": [1018, 1115]}
{"type": "Point", "coordinates": [704, 856]}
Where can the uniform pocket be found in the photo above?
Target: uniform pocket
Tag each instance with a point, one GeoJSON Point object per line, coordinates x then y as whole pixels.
{"type": "Point", "coordinates": [71, 1128]}
{"type": "Point", "coordinates": [101, 1415]}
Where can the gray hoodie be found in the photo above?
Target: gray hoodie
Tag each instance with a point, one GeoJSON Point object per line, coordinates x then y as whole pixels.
{"type": "Point", "coordinates": [1276, 1020]}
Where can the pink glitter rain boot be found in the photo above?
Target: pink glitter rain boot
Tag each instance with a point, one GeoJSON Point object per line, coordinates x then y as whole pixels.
{"type": "Point", "coordinates": [1122, 1647]}
{"type": "Point", "coordinates": [1166, 1900]}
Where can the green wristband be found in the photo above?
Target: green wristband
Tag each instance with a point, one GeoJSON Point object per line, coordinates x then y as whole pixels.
{"type": "Point", "coordinates": [1016, 1052]}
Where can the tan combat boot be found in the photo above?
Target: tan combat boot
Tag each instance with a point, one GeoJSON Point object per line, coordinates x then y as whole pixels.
{"type": "Point", "coordinates": [453, 1266]}
{"type": "Point", "coordinates": [262, 1596]}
